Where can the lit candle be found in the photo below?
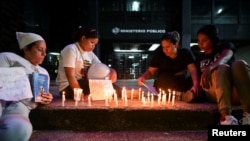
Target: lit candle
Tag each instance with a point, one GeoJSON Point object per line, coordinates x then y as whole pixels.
{"type": "Point", "coordinates": [169, 95]}
{"type": "Point", "coordinates": [143, 98]}
{"type": "Point", "coordinates": [126, 93]}
{"type": "Point", "coordinates": [164, 98]}
{"type": "Point", "coordinates": [152, 99]}
{"type": "Point", "coordinates": [148, 97]}
{"type": "Point", "coordinates": [63, 98]}
{"type": "Point", "coordinates": [80, 95]}
{"type": "Point", "coordinates": [132, 94]}
{"type": "Point", "coordinates": [159, 90]}
{"type": "Point", "coordinates": [89, 100]}
{"type": "Point", "coordinates": [125, 100]}
{"type": "Point", "coordinates": [123, 93]}
{"type": "Point", "coordinates": [173, 98]}
{"type": "Point", "coordinates": [115, 99]}
{"type": "Point", "coordinates": [77, 95]}
{"type": "Point", "coordinates": [159, 98]}
{"type": "Point", "coordinates": [139, 94]}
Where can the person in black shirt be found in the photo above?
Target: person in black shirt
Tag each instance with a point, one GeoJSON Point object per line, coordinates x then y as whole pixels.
{"type": "Point", "coordinates": [225, 80]}
{"type": "Point", "coordinates": [174, 68]}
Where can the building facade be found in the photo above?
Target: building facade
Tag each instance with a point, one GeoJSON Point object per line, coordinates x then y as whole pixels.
{"type": "Point", "coordinates": [128, 28]}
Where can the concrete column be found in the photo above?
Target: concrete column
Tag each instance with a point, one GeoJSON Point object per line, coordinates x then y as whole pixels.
{"type": "Point", "coordinates": [93, 20]}
{"type": "Point", "coordinates": [186, 24]}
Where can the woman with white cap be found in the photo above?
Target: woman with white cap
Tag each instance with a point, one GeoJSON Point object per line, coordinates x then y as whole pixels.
{"type": "Point", "coordinates": [14, 116]}
{"type": "Point", "coordinates": [75, 60]}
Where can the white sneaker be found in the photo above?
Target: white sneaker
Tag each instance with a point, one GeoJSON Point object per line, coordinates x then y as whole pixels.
{"type": "Point", "coordinates": [229, 120]}
{"type": "Point", "coordinates": [246, 119]}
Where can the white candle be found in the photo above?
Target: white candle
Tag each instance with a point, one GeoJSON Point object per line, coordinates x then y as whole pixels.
{"type": "Point", "coordinates": [139, 94]}
{"type": "Point", "coordinates": [132, 94]}
{"type": "Point", "coordinates": [89, 100]}
{"type": "Point", "coordinates": [125, 100]}
{"type": "Point", "coordinates": [169, 95]}
{"type": "Point", "coordinates": [115, 99]}
{"type": "Point", "coordinates": [159, 98]}
{"type": "Point", "coordinates": [143, 97]}
{"type": "Point", "coordinates": [77, 95]}
{"type": "Point", "coordinates": [164, 98]}
{"type": "Point", "coordinates": [63, 98]}
{"type": "Point", "coordinates": [143, 100]}
{"type": "Point", "coordinates": [173, 98]}
{"type": "Point", "coordinates": [126, 93]}
{"type": "Point", "coordinates": [123, 93]}
{"type": "Point", "coordinates": [159, 90]}
{"type": "Point", "coordinates": [152, 99]}
{"type": "Point", "coordinates": [148, 97]}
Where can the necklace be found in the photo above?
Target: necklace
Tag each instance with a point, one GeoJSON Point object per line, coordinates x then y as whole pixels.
{"type": "Point", "coordinates": [34, 68]}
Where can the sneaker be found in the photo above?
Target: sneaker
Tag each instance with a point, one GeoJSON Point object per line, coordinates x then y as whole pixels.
{"type": "Point", "coordinates": [187, 96]}
{"type": "Point", "coordinates": [246, 119]}
{"type": "Point", "coordinates": [229, 120]}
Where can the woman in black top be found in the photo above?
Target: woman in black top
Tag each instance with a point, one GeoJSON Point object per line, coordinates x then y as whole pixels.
{"type": "Point", "coordinates": [173, 67]}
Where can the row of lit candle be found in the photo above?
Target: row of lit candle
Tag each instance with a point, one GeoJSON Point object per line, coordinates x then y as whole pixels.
{"type": "Point", "coordinates": [149, 98]}
{"type": "Point", "coordinates": [78, 96]}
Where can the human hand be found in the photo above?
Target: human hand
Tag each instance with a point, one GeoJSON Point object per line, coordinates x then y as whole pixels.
{"type": "Point", "coordinates": [196, 89]}
{"type": "Point", "coordinates": [113, 75]}
{"type": "Point", "coordinates": [140, 81]}
{"type": "Point", "coordinates": [46, 98]}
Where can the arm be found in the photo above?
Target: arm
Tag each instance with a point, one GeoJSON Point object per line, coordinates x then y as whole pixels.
{"type": "Point", "coordinates": [223, 59]}
{"type": "Point", "coordinates": [194, 73]}
{"type": "Point", "coordinates": [113, 75]}
{"type": "Point", "coordinates": [195, 78]}
{"type": "Point", "coordinates": [147, 75]}
{"type": "Point", "coordinates": [70, 74]}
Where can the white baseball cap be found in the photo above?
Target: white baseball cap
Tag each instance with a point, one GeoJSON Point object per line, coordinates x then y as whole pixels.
{"type": "Point", "coordinates": [98, 71]}
{"type": "Point", "coordinates": [25, 39]}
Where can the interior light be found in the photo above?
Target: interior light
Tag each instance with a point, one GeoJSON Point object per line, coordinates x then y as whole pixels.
{"type": "Point", "coordinates": [219, 11]}
{"type": "Point", "coordinates": [135, 6]}
{"type": "Point", "coordinates": [131, 57]}
{"type": "Point", "coordinates": [153, 47]}
{"type": "Point", "coordinates": [54, 53]}
{"type": "Point", "coordinates": [193, 44]}
{"type": "Point", "coordinates": [124, 50]}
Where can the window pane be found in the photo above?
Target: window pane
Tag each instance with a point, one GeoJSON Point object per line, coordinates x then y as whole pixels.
{"type": "Point", "coordinates": [225, 11]}
{"type": "Point", "coordinates": [245, 12]}
{"type": "Point", "coordinates": [201, 11]}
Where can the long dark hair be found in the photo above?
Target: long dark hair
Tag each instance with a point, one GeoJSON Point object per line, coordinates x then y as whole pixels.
{"type": "Point", "coordinates": [88, 32]}
{"type": "Point", "coordinates": [211, 31]}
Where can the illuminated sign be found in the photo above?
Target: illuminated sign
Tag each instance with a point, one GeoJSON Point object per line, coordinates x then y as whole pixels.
{"type": "Point", "coordinates": [117, 30]}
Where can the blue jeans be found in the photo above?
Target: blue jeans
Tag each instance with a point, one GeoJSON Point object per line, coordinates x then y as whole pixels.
{"type": "Point", "coordinates": [14, 122]}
